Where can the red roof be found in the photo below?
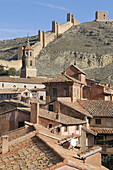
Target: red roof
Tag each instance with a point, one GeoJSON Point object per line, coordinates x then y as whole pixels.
{"type": "Point", "coordinates": [103, 130]}
{"type": "Point", "coordinates": [28, 47]}
{"type": "Point", "coordinates": [98, 108]}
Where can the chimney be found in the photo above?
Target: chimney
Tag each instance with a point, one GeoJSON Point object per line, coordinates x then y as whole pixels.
{"type": "Point", "coordinates": [4, 144]}
{"type": "Point", "coordinates": [34, 117]}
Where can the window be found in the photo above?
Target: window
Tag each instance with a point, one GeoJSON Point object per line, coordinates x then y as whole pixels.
{"type": "Point", "coordinates": [26, 93]}
{"type": "Point", "coordinates": [26, 53]}
{"type": "Point", "coordinates": [41, 97]}
{"type": "Point", "coordinates": [20, 124]}
{"type": "Point", "coordinates": [24, 86]}
{"type": "Point", "coordinates": [66, 92]}
{"type": "Point", "coordinates": [104, 16]}
{"type": "Point", "coordinates": [35, 87]}
{"type": "Point", "coordinates": [65, 128]}
{"type": "Point", "coordinates": [58, 130]}
{"type": "Point", "coordinates": [50, 126]}
{"type": "Point", "coordinates": [30, 53]}
{"type": "Point", "coordinates": [50, 107]}
{"type": "Point", "coordinates": [2, 85]}
{"type": "Point", "coordinates": [77, 93]}
{"type": "Point", "coordinates": [77, 127]}
{"type": "Point", "coordinates": [98, 121]}
{"type": "Point", "coordinates": [30, 62]}
{"type": "Point", "coordinates": [14, 86]}
{"type": "Point", "coordinates": [54, 92]}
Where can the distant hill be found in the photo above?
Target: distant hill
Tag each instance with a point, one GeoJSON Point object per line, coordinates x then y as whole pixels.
{"type": "Point", "coordinates": [9, 48]}
{"type": "Point", "coordinates": [89, 44]}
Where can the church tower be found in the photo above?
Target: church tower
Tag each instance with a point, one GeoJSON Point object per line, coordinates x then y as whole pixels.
{"type": "Point", "coordinates": [28, 68]}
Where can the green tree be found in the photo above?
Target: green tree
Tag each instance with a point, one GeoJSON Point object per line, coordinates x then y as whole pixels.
{"type": "Point", "coordinates": [12, 71]}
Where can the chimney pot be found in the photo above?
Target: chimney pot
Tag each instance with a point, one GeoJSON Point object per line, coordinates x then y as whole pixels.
{"type": "Point", "coordinates": [4, 144]}
{"type": "Point", "coordinates": [34, 118]}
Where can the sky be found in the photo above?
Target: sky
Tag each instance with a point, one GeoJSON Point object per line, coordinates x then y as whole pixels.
{"type": "Point", "coordinates": [21, 18]}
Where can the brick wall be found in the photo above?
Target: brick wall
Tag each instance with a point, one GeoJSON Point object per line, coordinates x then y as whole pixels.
{"type": "Point", "coordinates": [10, 120]}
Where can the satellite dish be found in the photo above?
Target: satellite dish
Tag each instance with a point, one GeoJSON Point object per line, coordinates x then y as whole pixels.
{"type": "Point", "coordinates": [73, 142]}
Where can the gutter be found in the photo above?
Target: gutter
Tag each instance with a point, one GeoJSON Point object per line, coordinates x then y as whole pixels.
{"type": "Point", "coordinates": [90, 153]}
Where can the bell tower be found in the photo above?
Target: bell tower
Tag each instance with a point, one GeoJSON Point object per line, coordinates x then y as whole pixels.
{"type": "Point", "coordinates": [28, 68]}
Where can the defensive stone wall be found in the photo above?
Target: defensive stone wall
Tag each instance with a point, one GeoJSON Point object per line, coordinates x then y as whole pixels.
{"type": "Point", "coordinates": [13, 63]}
{"type": "Point", "coordinates": [45, 38]}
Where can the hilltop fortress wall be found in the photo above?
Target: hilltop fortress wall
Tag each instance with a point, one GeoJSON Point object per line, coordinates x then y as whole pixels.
{"type": "Point", "coordinates": [102, 16]}
{"type": "Point", "coordinates": [47, 37]}
{"type": "Point", "coordinates": [44, 38]}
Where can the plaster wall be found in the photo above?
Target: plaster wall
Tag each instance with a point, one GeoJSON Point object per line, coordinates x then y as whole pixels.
{"type": "Point", "coordinates": [105, 122]}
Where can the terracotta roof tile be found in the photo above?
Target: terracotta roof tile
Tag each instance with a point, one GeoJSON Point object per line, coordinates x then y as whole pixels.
{"type": "Point", "coordinates": [32, 80]}
{"type": "Point", "coordinates": [63, 119]}
{"type": "Point", "coordinates": [63, 78]}
{"type": "Point", "coordinates": [80, 70]}
{"type": "Point", "coordinates": [76, 106]}
{"type": "Point", "coordinates": [30, 154]}
{"type": "Point", "coordinates": [98, 107]}
{"type": "Point", "coordinates": [103, 130]}
{"type": "Point", "coordinates": [28, 47]}
{"type": "Point", "coordinates": [89, 131]}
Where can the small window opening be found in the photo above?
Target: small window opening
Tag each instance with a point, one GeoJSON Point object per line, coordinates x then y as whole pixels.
{"type": "Point", "coordinates": [20, 124]}
{"type": "Point", "coordinates": [54, 92]}
{"type": "Point", "coordinates": [50, 126]}
{"type": "Point", "coordinates": [30, 62]}
{"type": "Point", "coordinates": [41, 97]}
{"type": "Point", "coordinates": [26, 94]}
{"type": "Point", "coordinates": [50, 107]}
{"type": "Point", "coordinates": [58, 130]}
{"type": "Point", "coordinates": [77, 127]}
{"type": "Point", "coordinates": [2, 85]}
{"type": "Point", "coordinates": [65, 128]}
{"type": "Point", "coordinates": [98, 121]}
{"type": "Point", "coordinates": [26, 53]}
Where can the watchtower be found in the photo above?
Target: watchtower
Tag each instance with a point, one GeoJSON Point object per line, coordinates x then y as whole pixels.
{"type": "Point", "coordinates": [28, 68]}
{"type": "Point", "coordinates": [101, 15]}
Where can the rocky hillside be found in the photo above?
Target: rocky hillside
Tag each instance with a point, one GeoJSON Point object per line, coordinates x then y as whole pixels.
{"type": "Point", "coordinates": [90, 45]}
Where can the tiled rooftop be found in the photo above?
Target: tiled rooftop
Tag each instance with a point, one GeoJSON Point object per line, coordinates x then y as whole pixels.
{"type": "Point", "coordinates": [29, 154]}
{"type": "Point", "coordinates": [98, 107]}
{"type": "Point", "coordinates": [103, 130]}
{"type": "Point", "coordinates": [65, 119]}
{"type": "Point", "coordinates": [31, 80]}
{"type": "Point", "coordinates": [80, 70]}
{"type": "Point", "coordinates": [63, 78]}
{"type": "Point", "coordinates": [28, 47]}
{"type": "Point", "coordinates": [76, 106]}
